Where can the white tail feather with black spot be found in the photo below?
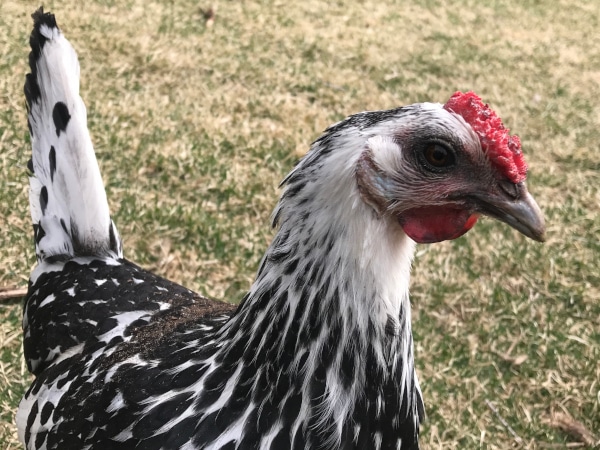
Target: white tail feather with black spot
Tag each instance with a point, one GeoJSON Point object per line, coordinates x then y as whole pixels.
{"type": "Point", "coordinates": [68, 202]}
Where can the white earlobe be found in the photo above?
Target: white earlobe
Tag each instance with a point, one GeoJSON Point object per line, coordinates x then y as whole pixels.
{"type": "Point", "coordinates": [386, 152]}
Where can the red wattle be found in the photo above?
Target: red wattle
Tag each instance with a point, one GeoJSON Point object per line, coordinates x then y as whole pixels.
{"type": "Point", "coordinates": [435, 224]}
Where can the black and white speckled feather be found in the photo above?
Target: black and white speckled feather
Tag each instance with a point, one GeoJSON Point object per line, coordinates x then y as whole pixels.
{"type": "Point", "coordinates": [68, 202]}
{"type": "Point", "coordinates": [123, 358]}
{"type": "Point", "coordinates": [319, 355]}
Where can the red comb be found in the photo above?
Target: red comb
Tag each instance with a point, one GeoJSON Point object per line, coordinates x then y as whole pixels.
{"type": "Point", "coordinates": [503, 149]}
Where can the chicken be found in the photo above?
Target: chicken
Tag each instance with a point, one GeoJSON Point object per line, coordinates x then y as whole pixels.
{"type": "Point", "coordinates": [319, 354]}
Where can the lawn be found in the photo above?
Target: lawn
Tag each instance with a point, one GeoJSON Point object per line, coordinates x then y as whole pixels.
{"type": "Point", "coordinates": [198, 110]}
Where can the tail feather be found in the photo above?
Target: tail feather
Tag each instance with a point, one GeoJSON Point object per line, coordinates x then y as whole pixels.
{"type": "Point", "coordinates": [68, 203]}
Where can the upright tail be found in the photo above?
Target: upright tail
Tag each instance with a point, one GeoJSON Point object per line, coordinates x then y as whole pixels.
{"type": "Point", "coordinates": [68, 202]}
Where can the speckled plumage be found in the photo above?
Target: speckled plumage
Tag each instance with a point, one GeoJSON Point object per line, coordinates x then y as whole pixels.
{"type": "Point", "coordinates": [319, 355]}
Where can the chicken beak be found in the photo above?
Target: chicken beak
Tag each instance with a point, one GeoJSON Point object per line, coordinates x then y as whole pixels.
{"type": "Point", "coordinates": [514, 205]}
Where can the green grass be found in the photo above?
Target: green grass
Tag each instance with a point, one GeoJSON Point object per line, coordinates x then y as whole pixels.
{"type": "Point", "coordinates": [195, 125]}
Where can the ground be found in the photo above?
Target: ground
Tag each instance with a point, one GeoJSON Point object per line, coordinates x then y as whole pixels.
{"type": "Point", "coordinates": [197, 110]}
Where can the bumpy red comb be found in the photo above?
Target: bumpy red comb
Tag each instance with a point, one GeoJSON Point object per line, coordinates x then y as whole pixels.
{"type": "Point", "coordinates": [503, 149]}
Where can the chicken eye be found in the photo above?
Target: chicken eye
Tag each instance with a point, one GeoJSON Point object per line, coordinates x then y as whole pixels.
{"type": "Point", "coordinates": [438, 156]}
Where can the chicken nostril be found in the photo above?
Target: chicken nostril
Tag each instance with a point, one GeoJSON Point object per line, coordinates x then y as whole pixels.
{"type": "Point", "coordinates": [511, 189]}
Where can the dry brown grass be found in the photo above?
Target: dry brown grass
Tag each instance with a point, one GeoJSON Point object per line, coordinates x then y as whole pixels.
{"type": "Point", "coordinates": [195, 125]}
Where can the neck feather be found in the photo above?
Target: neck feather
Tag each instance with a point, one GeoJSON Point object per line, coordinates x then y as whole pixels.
{"type": "Point", "coordinates": [332, 252]}
{"type": "Point", "coordinates": [330, 304]}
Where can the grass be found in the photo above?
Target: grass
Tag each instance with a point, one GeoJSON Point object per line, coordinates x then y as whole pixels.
{"type": "Point", "coordinates": [195, 123]}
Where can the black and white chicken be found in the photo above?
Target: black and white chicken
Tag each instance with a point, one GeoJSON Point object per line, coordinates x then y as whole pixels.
{"type": "Point", "coordinates": [319, 355]}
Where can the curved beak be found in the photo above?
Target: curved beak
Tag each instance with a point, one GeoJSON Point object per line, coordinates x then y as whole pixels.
{"type": "Point", "coordinates": [514, 205]}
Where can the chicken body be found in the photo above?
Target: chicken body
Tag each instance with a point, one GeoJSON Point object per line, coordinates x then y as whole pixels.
{"type": "Point", "coordinates": [319, 355]}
